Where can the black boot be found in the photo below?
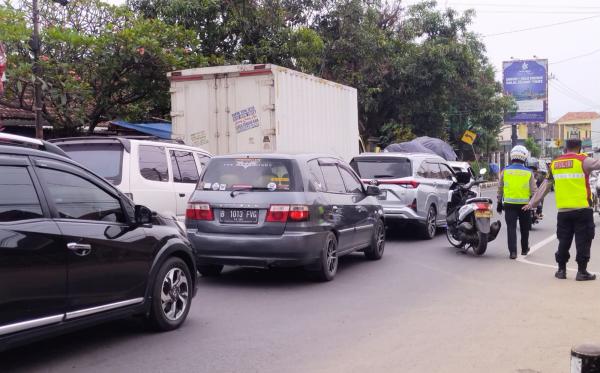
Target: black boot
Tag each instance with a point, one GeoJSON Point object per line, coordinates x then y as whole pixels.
{"type": "Point", "coordinates": [513, 255]}
{"type": "Point", "coordinates": [524, 251]}
{"type": "Point", "coordinates": [561, 274]}
{"type": "Point", "coordinates": [583, 274]}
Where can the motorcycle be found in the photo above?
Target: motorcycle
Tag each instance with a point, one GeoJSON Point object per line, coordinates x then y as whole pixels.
{"type": "Point", "coordinates": [469, 216]}
{"type": "Point", "coordinates": [536, 216]}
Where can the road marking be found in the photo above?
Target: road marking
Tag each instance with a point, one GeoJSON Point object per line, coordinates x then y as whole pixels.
{"type": "Point", "coordinates": [538, 246]}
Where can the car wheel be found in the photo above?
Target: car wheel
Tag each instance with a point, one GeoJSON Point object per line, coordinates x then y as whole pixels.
{"type": "Point", "coordinates": [429, 227]}
{"type": "Point", "coordinates": [171, 295]}
{"type": "Point", "coordinates": [328, 263]}
{"type": "Point", "coordinates": [210, 270]}
{"type": "Point", "coordinates": [375, 250]}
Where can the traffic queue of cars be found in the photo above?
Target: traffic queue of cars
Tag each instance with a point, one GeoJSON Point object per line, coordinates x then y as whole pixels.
{"type": "Point", "coordinates": [85, 244]}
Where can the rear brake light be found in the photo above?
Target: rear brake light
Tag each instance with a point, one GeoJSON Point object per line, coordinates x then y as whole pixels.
{"type": "Point", "coordinates": [299, 213]}
{"type": "Point", "coordinates": [278, 213]}
{"type": "Point", "coordinates": [410, 184]}
{"type": "Point", "coordinates": [199, 211]}
{"type": "Point", "coordinates": [284, 213]}
{"type": "Point", "coordinates": [483, 206]}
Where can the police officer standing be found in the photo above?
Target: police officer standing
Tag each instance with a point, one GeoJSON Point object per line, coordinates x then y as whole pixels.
{"type": "Point", "coordinates": [515, 188]}
{"type": "Point", "coordinates": [570, 175]}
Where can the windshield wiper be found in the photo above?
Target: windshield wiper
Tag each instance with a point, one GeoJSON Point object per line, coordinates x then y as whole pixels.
{"type": "Point", "coordinates": [237, 191]}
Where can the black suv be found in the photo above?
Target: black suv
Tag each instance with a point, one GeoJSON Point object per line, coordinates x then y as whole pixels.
{"type": "Point", "coordinates": [75, 251]}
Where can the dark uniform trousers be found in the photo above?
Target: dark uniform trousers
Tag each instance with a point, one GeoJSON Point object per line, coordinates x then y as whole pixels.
{"type": "Point", "coordinates": [512, 214]}
{"type": "Point", "coordinates": [578, 223]}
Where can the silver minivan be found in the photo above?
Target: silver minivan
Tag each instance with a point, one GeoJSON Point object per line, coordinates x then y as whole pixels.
{"type": "Point", "coordinates": [414, 186]}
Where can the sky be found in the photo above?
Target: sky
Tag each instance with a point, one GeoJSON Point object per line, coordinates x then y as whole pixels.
{"type": "Point", "coordinates": [572, 45]}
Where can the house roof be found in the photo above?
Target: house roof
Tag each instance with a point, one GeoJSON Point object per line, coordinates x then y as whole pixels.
{"type": "Point", "coordinates": [10, 113]}
{"type": "Point", "coordinates": [578, 116]}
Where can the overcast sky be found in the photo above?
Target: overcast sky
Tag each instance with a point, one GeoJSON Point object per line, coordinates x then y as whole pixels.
{"type": "Point", "coordinates": [576, 83]}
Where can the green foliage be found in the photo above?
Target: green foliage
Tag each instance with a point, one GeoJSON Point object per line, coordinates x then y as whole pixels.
{"type": "Point", "coordinates": [534, 148]}
{"type": "Point", "coordinates": [394, 132]}
{"type": "Point", "coordinates": [98, 62]}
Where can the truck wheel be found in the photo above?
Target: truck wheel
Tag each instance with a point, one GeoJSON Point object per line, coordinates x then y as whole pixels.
{"type": "Point", "coordinates": [429, 227]}
{"type": "Point", "coordinates": [328, 263]}
{"type": "Point", "coordinates": [375, 250]}
{"type": "Point", "coordinates": [482, 244]}
{"type": "Point", "coordinates": [171, 295]}
{"type": "Point", "coordinates": [210, 270]}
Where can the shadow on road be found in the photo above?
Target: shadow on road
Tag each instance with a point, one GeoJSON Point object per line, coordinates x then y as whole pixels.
{"type": "Point", "coordinates": [35, 356]}
{"type": "Point", "coordinates": [279, 277]}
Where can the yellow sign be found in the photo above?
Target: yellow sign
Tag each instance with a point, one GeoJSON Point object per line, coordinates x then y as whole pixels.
{"type": "Point", "coordinates": [469, 137]}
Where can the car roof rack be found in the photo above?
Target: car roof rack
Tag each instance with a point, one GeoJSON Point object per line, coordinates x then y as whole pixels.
{"type": "Point", "coordinates": [28, 142]}
{"type": "Point", "coordinates": [132, 137]}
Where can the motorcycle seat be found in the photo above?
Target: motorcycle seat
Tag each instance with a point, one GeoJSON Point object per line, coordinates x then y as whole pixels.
{"type": "Point", "coordinates": [479, 199]}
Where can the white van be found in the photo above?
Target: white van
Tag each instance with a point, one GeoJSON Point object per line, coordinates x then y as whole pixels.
{"type": "Point", "coordinates": [159, 174]}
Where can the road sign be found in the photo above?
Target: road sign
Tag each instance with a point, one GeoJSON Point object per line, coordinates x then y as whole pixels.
{"type": "Point", "coordinates": [469, 137]}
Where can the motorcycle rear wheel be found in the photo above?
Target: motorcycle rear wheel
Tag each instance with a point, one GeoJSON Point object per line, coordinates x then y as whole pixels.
{"type": "Point", "coordinates": [482, 243]}
{"type": "Point", "coordinates": [453, 241]}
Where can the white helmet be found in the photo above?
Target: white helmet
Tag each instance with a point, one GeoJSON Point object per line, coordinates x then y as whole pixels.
{"type": "Point", "coordinates": [519, 153]}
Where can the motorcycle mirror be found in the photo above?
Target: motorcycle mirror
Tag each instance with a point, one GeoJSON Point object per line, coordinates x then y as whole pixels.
{"type": "Point", "coordinates": [483, 171]}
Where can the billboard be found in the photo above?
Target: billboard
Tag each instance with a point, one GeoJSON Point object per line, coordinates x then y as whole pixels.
{"type": "Point", "coordinates": [527, 82]}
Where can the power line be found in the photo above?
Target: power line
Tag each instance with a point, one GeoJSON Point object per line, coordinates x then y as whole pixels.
{"type": "Point", "coordinates": [566, 93]}
{"type": "Point", "coordinates": [542, 26]}
{"type": "Point", "coordinates": [575, 92]}
{"type": "Point", "coordinates": [576, 57]}
{"type": "Point", "coordinates": [520, 6]}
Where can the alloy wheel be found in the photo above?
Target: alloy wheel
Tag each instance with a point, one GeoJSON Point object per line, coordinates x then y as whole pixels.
{"type": "Point", "coordinates": [332, 259]}
{"type": "Point", "coordinates": [431, 224]}
{"type": "Point", "coordinates": [174, 295]}
{"type": "Point", "coordinates": [380, 234]}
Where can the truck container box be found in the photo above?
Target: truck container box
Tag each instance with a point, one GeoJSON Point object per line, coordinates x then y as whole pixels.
{"type": "Point", "coordinates": [263, 108]}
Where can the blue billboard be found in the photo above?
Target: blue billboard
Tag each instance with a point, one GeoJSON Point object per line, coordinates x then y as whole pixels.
{"type": "Point", "coordinates": [527, 82]}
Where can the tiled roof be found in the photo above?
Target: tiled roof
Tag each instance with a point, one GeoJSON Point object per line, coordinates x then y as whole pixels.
{"type": "Point", "coordinates": [10, 113]}
{"type": "Point", "coordinates": [584, 116]}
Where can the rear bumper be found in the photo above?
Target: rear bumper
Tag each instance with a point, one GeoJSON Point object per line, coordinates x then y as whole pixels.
{"type": "Point", "coordinates": [288, 250]}
{"type": "Point", "coordinates": [401, 213]}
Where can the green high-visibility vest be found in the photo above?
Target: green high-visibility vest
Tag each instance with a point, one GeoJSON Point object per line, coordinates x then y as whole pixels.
{"type": "Point", "coordinates": [570, 182]}
{"type": "Point", "coordinates": [516, 185]}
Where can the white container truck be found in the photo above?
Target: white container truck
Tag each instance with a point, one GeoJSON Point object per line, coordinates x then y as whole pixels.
{"type": "Point", "coordinates": [263, 109]}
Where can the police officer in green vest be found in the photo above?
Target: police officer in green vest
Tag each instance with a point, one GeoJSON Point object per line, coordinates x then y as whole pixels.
{"type": "Point", "coordinates": [516, 186]}
{"type": "Point", "coordinates": [570, 175]}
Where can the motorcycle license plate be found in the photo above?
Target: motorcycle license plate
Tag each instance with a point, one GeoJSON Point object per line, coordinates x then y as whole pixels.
{"type": "Point", "coordinates": [483, 213]}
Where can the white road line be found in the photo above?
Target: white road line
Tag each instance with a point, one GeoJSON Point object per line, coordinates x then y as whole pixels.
{"type": "Point", "coordinates": [538, 246]}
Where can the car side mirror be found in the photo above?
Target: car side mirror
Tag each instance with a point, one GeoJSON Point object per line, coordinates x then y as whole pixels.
{"type": "Point", "coordinates": [373, 190]}
{"type": "Point", "coordinates": [143, 215]}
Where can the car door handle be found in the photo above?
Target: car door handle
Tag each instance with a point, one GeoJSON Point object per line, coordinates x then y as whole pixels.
{"type": "Point", "coordinates": [181, 194]}
{"type": "Point", "coordinates": [79, 249]}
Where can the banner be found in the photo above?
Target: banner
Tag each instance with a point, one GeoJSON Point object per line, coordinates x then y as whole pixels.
{"type": "Point", "coordinates": [527, 82]}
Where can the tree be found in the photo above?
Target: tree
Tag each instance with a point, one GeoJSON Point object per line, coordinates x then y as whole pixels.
{"type": "Point", "coordinates": [98, 62]}
{"type": "Point", "coordinates": [534, 148]}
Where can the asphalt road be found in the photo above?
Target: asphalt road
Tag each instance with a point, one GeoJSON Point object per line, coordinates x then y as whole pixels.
{"type": "Point", "coordinates": [422, 308]}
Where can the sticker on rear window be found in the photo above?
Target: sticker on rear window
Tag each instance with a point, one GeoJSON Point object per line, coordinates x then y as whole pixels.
{"type": "Point", "coordinates": [222, 186]}
{"type": "Point", "coordinates": [271, 186]}
{"type": "Point", "coordinates": [215, 186]}
{"type": "Point", "coordinates": [207, 185]}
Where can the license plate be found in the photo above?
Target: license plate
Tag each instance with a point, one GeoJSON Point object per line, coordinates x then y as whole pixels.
{"type": "Point", "coordinates": [238, 216]}
{"type": "Point", "coordinates": [483, 213]}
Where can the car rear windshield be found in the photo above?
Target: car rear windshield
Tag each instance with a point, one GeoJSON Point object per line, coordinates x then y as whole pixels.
{"type": "Point", "coordinates": [251, 174]}
{"type": "Point", "coordinates": [382, 168]}
{"type": "Point", "coordinates": [105, 160]}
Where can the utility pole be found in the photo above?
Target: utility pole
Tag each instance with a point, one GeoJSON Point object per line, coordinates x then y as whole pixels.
{"type": "Point", "coordinates": [514, 136]}
{"type": "Point", "coordinates": [35, 45]}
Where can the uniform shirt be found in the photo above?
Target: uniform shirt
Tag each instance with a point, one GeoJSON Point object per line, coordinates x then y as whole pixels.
{"type": "Point", "coordinates": [589, 165]}
{"type": "Point", "coordinates": [532, 185]}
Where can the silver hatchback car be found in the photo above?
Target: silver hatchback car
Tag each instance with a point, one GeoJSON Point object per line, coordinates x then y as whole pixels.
{"type": "Point", "coordinates": [275, 210]}
{"type": "Point", "coordinates": [414, 186]}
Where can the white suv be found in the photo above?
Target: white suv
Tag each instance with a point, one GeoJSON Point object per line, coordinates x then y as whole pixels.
{"type": "Point", "coordinates": [159, 174]}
